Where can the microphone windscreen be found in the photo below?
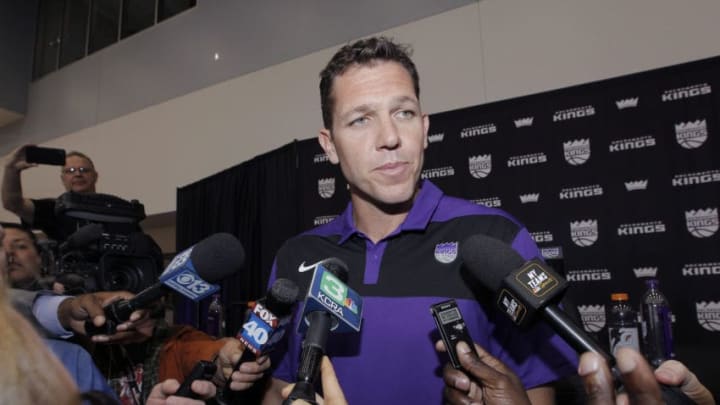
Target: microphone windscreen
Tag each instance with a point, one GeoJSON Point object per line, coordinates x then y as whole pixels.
{"type": "Point", "coordinates": [489, 260]}
{"type": "Point", "coordinates": [337, 267]}
{"type": "Point", "coordinates": [217, 257]}
{"type": "Point", "coordinates": [282, 296]}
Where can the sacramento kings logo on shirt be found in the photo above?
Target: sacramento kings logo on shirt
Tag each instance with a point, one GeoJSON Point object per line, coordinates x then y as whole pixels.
{"type": "Point", "coordinates": [592, 316]}
{"type": "Point", "coordinates": [584, 233]}
{"type": "Point", "coordinates": [708, 315]}
{"type": "Point", "coordinates": [577, 151]}
{"type": "Point", "coordinates": [326, 187]}
{"type": "Point", "coordinates": [691, 135]}
{"type": "Point", "coordinates": [702, 223]}
{"type": "Point", "coordinates": [480, 166]}
{"type": "Point", "coordinates": [446, 252]}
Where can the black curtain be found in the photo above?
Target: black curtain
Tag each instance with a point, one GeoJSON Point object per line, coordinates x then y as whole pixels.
{"type": "Point", "coordinates": [253, 201]}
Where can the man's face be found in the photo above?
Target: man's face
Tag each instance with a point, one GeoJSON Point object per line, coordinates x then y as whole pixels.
{"type": "Point", "coordinates": [24, 263]}
{"type": "Point", "coordinates": [379, 133]}
{"type": "Point", "coordinates": [78, 175]}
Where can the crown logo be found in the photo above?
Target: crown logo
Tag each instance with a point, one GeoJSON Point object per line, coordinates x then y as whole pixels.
{"type": "Point", "coordinates": [636, 185]}
{"type": "Point", "coordinates": [529, 198]}
{"type": "Point", "coordinates": [480, 166]}
{"type": "Point", "coordinates": [592, 316]}
{"type": "Point", "coordinates": [436, 137]}
{"type": "Point", "coordinates": [326, 187]}
{"type": "Point", "coordinates": [627, 103]}
{"type": "Point", "coordinates": [641, 272]}
{"type": "Point", "coordinates": [584, 233]}
{"type": "Point", "coordinates": [524, 122]}
{"type": "Point", "coordinates": [708, 315]}
{"type": "Point", "coordinates": [691, 125]}
{"type": "Point", "coordinates": [702, 223]}
{"type": "Point", "coordinates": [577, 143]}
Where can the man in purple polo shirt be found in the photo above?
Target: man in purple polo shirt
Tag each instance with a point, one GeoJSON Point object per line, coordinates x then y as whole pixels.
{"type": "Point", "coordinates": [399, 237]}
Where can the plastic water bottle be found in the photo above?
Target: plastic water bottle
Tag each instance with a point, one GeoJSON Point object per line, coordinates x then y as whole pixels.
{"type": "Point", "coordinates": [216, 318]}
{"type": "Point", "coordinates": [623, 328]}
{"type": "Point", "coordinates": [657, 325]}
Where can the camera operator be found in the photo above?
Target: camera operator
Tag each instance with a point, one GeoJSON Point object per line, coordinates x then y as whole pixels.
{"type": "Point", "coordinates": [117, 256]}
{"type": "Point", "coordinates": [77, 175]}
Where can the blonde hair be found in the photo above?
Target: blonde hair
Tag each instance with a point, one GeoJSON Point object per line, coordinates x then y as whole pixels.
{"type": "Point", "coordinates": [30, 373]}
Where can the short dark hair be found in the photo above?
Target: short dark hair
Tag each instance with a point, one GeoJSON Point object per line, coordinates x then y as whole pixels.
{"type": "Point", "coordinates": [23, 228]}
{"type": "Point", "coordinates": [362, 52]}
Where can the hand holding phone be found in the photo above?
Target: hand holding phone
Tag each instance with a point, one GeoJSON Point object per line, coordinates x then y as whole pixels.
{"type": "Point", "coordinates": [48, 156]}
{"type": "Point", "coordinates": [452, 328]}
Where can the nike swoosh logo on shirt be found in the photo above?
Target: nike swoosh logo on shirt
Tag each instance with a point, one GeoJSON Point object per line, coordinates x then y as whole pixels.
{"type": "Point", "coordinates": [303, 268]}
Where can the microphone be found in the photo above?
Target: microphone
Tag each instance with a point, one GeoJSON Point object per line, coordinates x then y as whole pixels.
{"type": "Point", "coordinates": [191, 273]}
{"type": "Point", "coordinates": [330, 305]}
{"type": "Point", "coordinates": [525, 289]}
{"type": "Point", "coordinates": [264, 327]}
{"type": "Point", "coordinates": [82, 237]}
{"type": "Point", "coordinates": [528, 288]}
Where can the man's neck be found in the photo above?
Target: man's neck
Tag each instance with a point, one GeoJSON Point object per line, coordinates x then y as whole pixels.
{"type": "Point", "coordinates": [376, 222]}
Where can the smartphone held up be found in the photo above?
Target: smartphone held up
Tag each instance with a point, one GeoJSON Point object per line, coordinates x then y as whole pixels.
{"type": "Point", "coordinates": [45, 156]}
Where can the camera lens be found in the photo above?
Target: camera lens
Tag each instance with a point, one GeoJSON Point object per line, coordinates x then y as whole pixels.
{"type": "Point", "coordinates": [129, 273]}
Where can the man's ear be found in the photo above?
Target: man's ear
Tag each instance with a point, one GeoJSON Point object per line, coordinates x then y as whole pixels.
{"type": "Point", "coordinates": [326, 142]}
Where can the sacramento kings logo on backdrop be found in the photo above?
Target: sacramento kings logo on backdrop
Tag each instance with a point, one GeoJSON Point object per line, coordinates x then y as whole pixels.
{"type": "Point", "coordinates": [708, 315]}
{"type": "Point", "coordinates": [584, 233]}
{"type": "Point", "coordinates": [480, 166]}
{"type": "Point", "coordinates": [592, 316]}
{"type": "Point", "coordinates": [446, 252]}
{"type": "Point", "coordinates": [326, 187]}
{"type": "Point", "coordinates": [577, 151]}
{"type": "Point", "coordinates": [702, 223]}
{"type": "Point", "coordinates": [691, 135]}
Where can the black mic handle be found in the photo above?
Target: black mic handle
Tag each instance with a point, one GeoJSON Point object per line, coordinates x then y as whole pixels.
{"type": "Point", "coordinates": [303, 390]}
{"type": "Point", "coordinates": [115, 314]}
{"type": "Point", "coordinates": [573, 334]}
{"type": "Point", "coordinates": [228, 394]}
{"type": "Point", "coordinates": [313, 350]}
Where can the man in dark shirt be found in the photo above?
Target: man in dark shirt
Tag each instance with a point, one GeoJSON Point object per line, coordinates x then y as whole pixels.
{"type": "Point", "coordinates": [78, 175]}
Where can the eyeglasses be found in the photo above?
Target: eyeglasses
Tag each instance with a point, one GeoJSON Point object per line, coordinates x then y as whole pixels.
{"type": "Point", "coordinates": [81, 170]}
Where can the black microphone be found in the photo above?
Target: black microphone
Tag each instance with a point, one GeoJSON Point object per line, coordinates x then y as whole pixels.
{"type": "Point", "coordinates": [525, 289]}
{"type": "Point", "coordinates": [191, 273]}
{"type": "Point", "coordinates": [330, 306]}
{"type": "Point", "coordinates": [82, 237]}
{"type": "Point", "coordinates": [528, 288]}
{"type": "Point", "coordinates": [264, 326]}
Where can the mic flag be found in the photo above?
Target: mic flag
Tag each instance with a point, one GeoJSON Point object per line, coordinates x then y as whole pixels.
{"type": "Point", "coordinates": [194, 271]}
{"type": "Point", "coordinates": [329, 293]}
{"type": "Point", "coordinates": [330, 305]}
{"type": "Point", "coordinates": [269, 317]}
{"type": "Point", "coordinates": [522, 287]}
{"type": "Point", "coordinates": [191, 273]}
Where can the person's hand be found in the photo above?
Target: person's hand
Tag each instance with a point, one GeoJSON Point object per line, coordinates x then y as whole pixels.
{"type": "Point", "coordinates": [330, 386]}
{"type": "Point", "coordinates": [162, 393]}
{"type": "Point", "coordinates": [640, 385]}
{"type": "Point", "coordinates": [248, 373]}
{"type": "Point", "coordinates": [488, 380]}
{"type": "Point", "coordinates": [674, 373]}
{"type": "Point", "coordinates": [17, 161]}
{"type": "Point", "coordinates": [73, 312]}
